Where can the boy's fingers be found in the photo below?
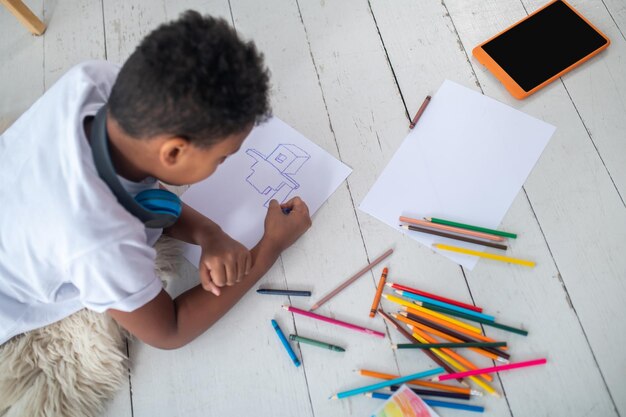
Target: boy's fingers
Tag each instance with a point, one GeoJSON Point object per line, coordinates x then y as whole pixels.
{"type": "Point", "coordinates": [207, 284]}
{"type": "Point", "coordinates": [248, 263]}
{"type": "Point", "coordinates": [231, 273]}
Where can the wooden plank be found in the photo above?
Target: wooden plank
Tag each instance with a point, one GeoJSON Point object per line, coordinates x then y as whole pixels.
{"type": "Point", "coordinates": [369, 121]}
{"type": "Point", "coordinates": [22, 64]}
{"type": "Point", "coordinates": [75, 34]}
{"type": "Point", "coordinates": [617, 10]}
{"type": "Point", "coordinates": [569, 186]}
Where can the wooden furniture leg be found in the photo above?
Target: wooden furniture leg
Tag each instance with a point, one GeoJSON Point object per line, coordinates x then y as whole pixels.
{"type": "Point", "coordinates": [25, 16]}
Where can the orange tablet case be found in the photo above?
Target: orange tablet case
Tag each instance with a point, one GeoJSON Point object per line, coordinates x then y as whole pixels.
{"type": "Point", "coordinates": [508, 82]}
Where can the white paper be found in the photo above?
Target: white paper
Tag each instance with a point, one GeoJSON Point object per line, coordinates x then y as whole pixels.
{"type": "Point", "coordinates": [465, 161]}
{"type": "Point", "coordinates": [275, 161]}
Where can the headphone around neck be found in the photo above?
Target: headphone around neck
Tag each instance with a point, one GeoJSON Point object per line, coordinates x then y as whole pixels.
{"type": "Point", "coordinates": [156, 208]}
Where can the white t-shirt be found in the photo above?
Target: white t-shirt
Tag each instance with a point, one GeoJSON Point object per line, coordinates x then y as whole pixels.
{"type": "Point", "coordinates": [65, 241]}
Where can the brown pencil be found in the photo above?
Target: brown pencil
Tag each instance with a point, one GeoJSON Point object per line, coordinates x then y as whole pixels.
{"type": "Point", "coordinates": [379, 291]}
{"type": "Point", "coordinates": [419, 112]}
{"type": "Point", "coordinates": [411, 339]}
{"type": "Point", "coordinates": [458, 230]}
{"type": "Point", "coordinates": [452, 236]}
{"type": "Point", "coordinates": [351, 280]}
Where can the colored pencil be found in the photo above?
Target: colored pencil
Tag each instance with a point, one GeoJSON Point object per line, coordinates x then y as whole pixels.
{"type": "Point", "coordinates": [379, 291]}
{"type": "Point", "coordinates": [334, 321]}
{"type": "Point", "coordinates": [470, 227]}
{"type": "Point", "coordinates": [432, 403]}
{"type": "Point", "coordinates": [418, 317]}
{"type": "Point", "coordinates": [317, 343]}
{"type": "Point", "coordinates": [283, 292]}
{"type": "Point", "coordinates": [446, 345]}
{"type": "Point", "coordinates": [431, 393]}
{"type": "Point", "coordinates": [461, 368]}
{"type": "Point", "coordinates": [424, 337]}
{"type": "Point", "coordinates": [419, 112]}
{"type": "Point", "coordinates": [429, 384]}
{"type": "Point", "coordinates": [458, 230]}
{"type": "Point", "coordinates": [351, 280]}
{"type": "Point", "coordinates": [411, 339]}
{"type": "Point", "coordinates": [452, 336]}
{"type": "Point", "coordinates": [452, 321]}
{"type": "Point", "coordinates": [500, 258]}
{"type": "Point", "coordinates": [285, 343]}
{"type": "Point", "coordinates": [397, 286]}
{"type": "Point", "coordinates": [384, 384]}
{"type": "Point", "coordinates": [510, 366]}
{"type": "Point", "coordinates": [490, 323]}
{"type": "Point", "coordinates": [452, 236]}
{"type": "Point", "coordinates": [447, 307]}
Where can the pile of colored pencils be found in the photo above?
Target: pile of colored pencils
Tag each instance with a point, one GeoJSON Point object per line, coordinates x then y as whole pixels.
{"type": "Point", "coordinates": [464, 233]}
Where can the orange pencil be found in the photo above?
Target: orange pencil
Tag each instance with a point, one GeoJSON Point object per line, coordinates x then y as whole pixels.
{"type": "Point", "coordinates": [453, 354]}
{"type": "Point", "coordinates": [453, 229]}
{"type": "Point", "coordinates": [447, 324]}
{"type": "Point", "coordinates": [379, 291]}
{"type": "Point", "coordinates": [439, 386]}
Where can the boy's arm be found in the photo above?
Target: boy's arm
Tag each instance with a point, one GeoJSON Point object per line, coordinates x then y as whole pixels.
{"type": "Point", "coordinates": [169, 324]}
{"type": "Point", "coordinates": [224, 261]}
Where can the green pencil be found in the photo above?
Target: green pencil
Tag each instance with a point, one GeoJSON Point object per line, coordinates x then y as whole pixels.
{"type": "Point", "coordinates": [447, 345]}
{"type": "Point", "coordinates": [316, 343]}
{"type": "Point", "coordinates": [470, 227]}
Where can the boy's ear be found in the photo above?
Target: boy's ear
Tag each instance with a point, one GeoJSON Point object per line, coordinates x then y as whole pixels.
{"type": "Point", "coordinates": [172, 150]}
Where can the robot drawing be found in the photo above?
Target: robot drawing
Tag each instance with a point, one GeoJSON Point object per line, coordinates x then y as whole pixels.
{"type": "Point", "coordinates": [272, 175]}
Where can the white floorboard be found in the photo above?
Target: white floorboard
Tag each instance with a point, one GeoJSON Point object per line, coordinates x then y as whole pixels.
{"type": "Point", "coordinates": [349, 75]}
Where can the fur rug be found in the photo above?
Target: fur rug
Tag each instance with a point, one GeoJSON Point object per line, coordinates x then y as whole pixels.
{"type": "Point", "coordinates": [71, 368]}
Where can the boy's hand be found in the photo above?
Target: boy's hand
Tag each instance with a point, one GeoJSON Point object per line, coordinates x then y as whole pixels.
{"type": "Point", "coordinates": [224, 261]}
{"type": "Point", "coordinates": [281, 229]}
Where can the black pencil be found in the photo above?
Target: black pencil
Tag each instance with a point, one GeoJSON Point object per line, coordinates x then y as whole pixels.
{"type": "Point", "coordinates": [452, 236]}
{"type": "Point", "coordinates": [431, 393]}
{"type": "Point", "coordinates": [283, 292]}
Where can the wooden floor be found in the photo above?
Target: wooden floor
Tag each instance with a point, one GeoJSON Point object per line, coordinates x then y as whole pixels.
{"type": "Point", "coordinates": [347, 74]}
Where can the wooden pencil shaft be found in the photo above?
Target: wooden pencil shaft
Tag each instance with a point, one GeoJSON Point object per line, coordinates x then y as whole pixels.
{"type": "Point", "coordinates": [432, 393]}
{"type": "Point", "coordinates": [475, 228]}
{"type": "Point", "coordinates": [449, 345]}
{"type": "Point", "coordinates": [351, 280]}
{"type": "Point", "coordinates": [458, 230]}
{"type": "Point", "coordinates": [419, 112]}
{"type": "Point", "coordinates": [476, 319]}
{"type": "Point", "coordinates": [411, 339]}
{"type": "Point", "coordinates": [453, 236]}
{"type": "Point", "coordinates": [379, 291]}
{"type": "Point", "coordinates": [455, 334]}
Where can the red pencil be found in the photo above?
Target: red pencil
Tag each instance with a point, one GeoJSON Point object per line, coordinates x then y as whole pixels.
{"type": "Point", "coordinates": [434, 297]}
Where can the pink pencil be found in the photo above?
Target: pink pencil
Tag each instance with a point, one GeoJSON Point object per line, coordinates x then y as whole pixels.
{"type": "Point", "coordinates": [489, 370]}
{"type": "Point", "coordinates": [333, 321]}
{"type": "Point", "coordinates": [453, 229]}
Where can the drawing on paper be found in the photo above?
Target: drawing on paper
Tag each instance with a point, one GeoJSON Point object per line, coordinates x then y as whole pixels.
{"type": "Point", "coordinates": [272, 175]}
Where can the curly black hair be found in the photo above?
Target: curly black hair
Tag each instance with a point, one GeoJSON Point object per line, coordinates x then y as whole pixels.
{"type": "Point", "coordinates": [193, 78]}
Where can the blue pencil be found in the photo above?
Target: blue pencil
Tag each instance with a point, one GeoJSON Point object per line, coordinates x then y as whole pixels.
{"type": "Point", "coordinates": [283, 339]}
{"type": "Point", "coordinates": [432, 403]}
{"type": "Point", "coordinates": [384, 384]}
{"type": "Point", "coordinates": [445, 305]}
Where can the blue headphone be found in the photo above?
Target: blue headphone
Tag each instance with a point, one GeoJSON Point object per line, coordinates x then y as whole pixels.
{"type": "Point", "coordinates": [155, 208]}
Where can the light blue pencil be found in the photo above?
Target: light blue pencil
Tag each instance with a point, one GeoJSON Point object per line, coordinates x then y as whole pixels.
{"type": "Point", "coordinates": [384, 384]}
{"type": "Point", "coordinates": [444, 305]}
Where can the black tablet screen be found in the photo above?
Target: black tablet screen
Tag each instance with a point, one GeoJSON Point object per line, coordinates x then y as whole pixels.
{"type": "Point", "coordinates": [543, 45]}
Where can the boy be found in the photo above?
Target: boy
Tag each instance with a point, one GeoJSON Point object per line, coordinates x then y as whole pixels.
{"type": "Point", "coordinates": [182, 103]}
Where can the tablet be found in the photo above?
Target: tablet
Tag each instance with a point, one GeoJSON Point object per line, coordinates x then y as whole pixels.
{"type": "Point", "coordinates": [540, 48]}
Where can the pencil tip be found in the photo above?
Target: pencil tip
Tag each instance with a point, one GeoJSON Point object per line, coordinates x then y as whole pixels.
{"type": "Point", "coordinates": [334, 397]}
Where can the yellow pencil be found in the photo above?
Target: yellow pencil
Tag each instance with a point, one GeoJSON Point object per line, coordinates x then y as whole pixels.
{"type": "Point", "coordinates": [457, 365]}
{"type": "Point", "coordinates": [403, 302]}
{"type": "Point", "coordinates": [484, 255]}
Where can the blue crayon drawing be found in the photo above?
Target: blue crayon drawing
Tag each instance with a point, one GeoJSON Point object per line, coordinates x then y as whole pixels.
{"type": "Point", "coordinates": [272, 175]}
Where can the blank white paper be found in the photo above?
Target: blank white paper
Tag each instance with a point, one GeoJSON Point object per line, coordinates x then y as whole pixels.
{"type": "Point", "coordinates": [465, 161]}
{"type": "Point", "coordinates": [274, 162]}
